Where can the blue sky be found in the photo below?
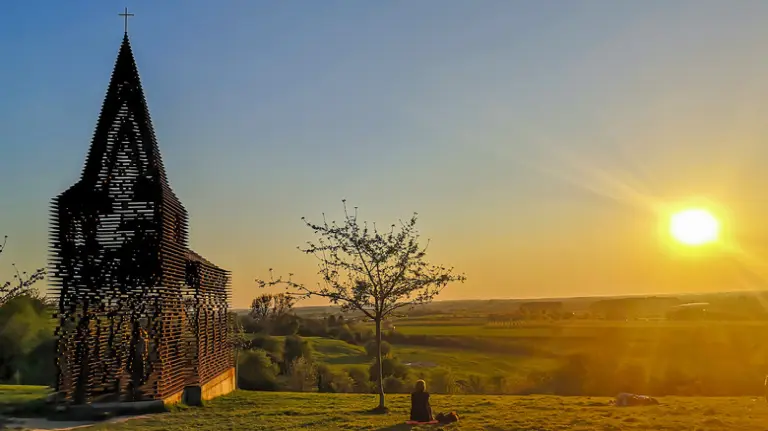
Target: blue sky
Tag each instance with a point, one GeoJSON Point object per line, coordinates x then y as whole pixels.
{"type": "Point", "coordinates": [537, 140]}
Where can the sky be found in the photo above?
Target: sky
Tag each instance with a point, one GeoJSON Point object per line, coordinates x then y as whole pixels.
{"type": "Point", "coordinates": [543, 144]}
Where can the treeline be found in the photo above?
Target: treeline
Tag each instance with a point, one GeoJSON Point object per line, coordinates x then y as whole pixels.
{"type": "Point", "coordinates": [271, 365]}
{"type": "Point", "coordinates": [357, 333]}
{"type": "Point", "coordinates": [27, 344]}
{"type": "Point", "coordinates": [721, 308]}
{"type": "Point", "coordinates": [600, 376]}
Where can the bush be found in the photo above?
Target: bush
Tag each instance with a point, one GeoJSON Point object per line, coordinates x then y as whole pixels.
{"type": "Point", "coordinates": [286, 324]}
{"type": "Point", "coordinates": [257, 372]}
{"type": "Point", "coordinates": [361, 380]}
{"type": "Point", "coordinates": [475, 384]}
{"type": "Point", "coordinates": [313, 328]}
{"type": "Point", "coordinates": [499, 384]}
{"type": "Point", "coordinates": [302, 375]}
{"type": "Point", "coordinates": [362, 334]}
{"type": "Point", "coordinates": [26, 335]}
{"type": "Point", "coordinates": [39, 367]}
{"type": "Point", "coordinates": [571, 378]}
{"type": "Point", "coordinates": [272, 345]}
{"type": "Point", "coordinates": [249, 324]}
{"type": "Point", "coordinates": [329, 380]}
{"type": "Point", "coordinates": [537, 382]}
{"type": "Point", "coordinates": [343, 333]}
{"type": "Point", "coordinates": [442, 381]}
{"type": "Point", "coordinates": [371, 350]}
{"type": "Point", "coordinates": [393, 385]}
{"type": "Point", "coordinates": [390, 367]}
{"type": "Point", "coordinates": [296, 347]}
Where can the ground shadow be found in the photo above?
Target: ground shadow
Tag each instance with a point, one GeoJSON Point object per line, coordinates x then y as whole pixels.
{"type": "Point", "coordinates": [370, 412]}
{"type": "Point", "coordinates": [406, 427]}
{"type": "Point", "coordinates": [396, 427]}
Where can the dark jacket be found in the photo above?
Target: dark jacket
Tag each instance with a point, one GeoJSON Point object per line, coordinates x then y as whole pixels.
{"type": "Point", "coordinates": [421, 411]}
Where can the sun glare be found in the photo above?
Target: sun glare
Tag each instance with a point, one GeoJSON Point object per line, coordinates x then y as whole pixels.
{"type": "Point", "coordinates": [694, 227]}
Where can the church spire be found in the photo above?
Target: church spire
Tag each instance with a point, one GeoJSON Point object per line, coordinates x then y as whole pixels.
{"type": "Point", "coordinates": [124, 129]}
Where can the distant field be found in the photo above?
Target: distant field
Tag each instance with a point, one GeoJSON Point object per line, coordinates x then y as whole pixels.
{"type": "Point", "coordinates": [569, 328]}
{"type": "Point", "coordinates": [342, 355]}
{"type": "Point", "coordinates": [736, 352]}
{"type": "Point", "coordinates": [299, 411]}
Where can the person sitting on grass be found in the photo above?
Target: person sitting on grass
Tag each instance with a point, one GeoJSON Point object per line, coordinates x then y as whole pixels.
{"type": "Point", "coordinates": [421, 411]}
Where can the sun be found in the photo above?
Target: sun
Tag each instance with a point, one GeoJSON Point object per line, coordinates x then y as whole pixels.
{"type": "Point", "coordinates": [694, 227]}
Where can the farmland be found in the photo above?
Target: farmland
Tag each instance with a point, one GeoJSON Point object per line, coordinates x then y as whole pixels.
{"type": "Point", "coordinates": [637, 355]}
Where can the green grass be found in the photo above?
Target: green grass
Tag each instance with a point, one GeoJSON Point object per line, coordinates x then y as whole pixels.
{"type": "Point", "coordinates": [17, 395]}
{"type": "Point", "coordinates": [313, 411]}
{"type": "Point", "coordinates": [463, 362]}
{"type": "Point", "coordinates": [21, 400]}
{"type": "Point", "coordinates": [339, 354]}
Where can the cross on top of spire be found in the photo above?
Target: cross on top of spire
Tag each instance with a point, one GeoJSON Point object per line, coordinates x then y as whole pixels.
{"type": "Point", "coordinates": [126, 15]}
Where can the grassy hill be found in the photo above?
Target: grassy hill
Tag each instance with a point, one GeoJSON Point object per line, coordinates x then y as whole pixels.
{"type": "Point", "coordinates": [307, 411]}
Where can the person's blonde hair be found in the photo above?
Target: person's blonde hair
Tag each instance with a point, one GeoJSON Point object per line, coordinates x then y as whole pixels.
{"type": "Point", "coordinates": [421, 386]}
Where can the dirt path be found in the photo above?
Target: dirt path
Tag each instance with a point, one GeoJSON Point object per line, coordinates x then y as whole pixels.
{"type": "Point", "coordinates": [41, 424]}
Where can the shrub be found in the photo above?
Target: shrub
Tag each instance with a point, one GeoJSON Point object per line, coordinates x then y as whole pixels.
{"type": "Point", "coordinates": [249, 324]}
{"type": "Point", "coordinates": [26, 341]}
{"type": "Point", "coordinates": [537, 382]}
{"type": "Point", "coordinates": [360, 380]}
{"type": "Point", "coordinates": [371, 349]}
{"type": "Point", "coordinates": [296, 347]}
{"type": "Point", "coordinates": [362, 334]}
{"type": "Point", "coordinates": [313, 328]}
{"type": "Point", "coordinates": [571, 378]}
{"type": "Point", "coordinates": [442, 381]}
{"type": "Point", "coordinates": [286, 324]}
{"type": "Point", "coordinates": [302, 375]}
{"type": "Point", "coordinates": [345, 334]}
{"type": "Point", "coordinates": [393, 385]}
{"type": "Point", "coordinates": [390, 367]}
{"type": "Point", "coordinates": [499, 384]}
{"type": "Point", "coordinates": [475, 384]}
{"type": "Point", "coordinates": [329, 380]}
{"type": "Point", "coordinates": [257, 372]}
{"type": "Point", "coordinates": [38, 368]}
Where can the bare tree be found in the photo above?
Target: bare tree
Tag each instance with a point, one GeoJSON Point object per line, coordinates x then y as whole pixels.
{"type": "Point", "coordinates": [21, 284]}
{"type": "Point", "coordinates": [271, 306]}
{"type": "Point", "coordinates": [239, 342]}
{"type": "Point", "coordinates": [376, 273]}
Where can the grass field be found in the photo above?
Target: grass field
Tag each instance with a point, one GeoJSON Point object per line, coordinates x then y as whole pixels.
{"type": "Point", "coordinates": [736, 351]}
{"type": "Point", "coordinates": [308, 411]}
{"type": "Point", "coordinates": [568, 328]}
{"type": "Point", "coordinates": [12, 395]}
{"type": "Point", "coordinates": [339, 354]}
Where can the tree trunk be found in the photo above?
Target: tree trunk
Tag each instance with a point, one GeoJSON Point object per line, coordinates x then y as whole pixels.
{"type": "Point", "coordinates": [379, 367]}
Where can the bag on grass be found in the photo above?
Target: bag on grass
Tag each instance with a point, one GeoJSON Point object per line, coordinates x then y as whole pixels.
{"type": "Point", "coordinates": [447, 418]}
